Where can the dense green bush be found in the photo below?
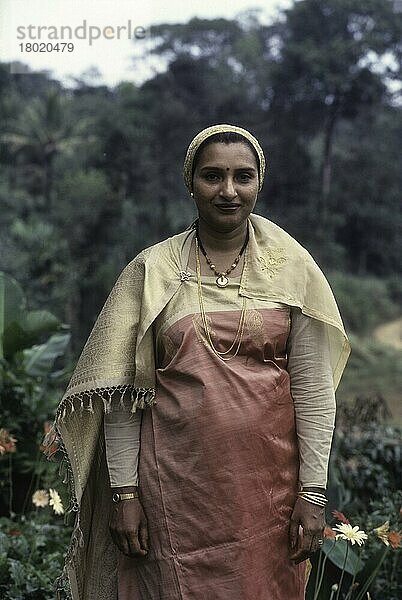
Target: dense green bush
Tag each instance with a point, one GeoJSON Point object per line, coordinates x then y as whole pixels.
{"type": "Point", "coordinates": [31, 556]}
{"type": "Point", "coordinates": [365, 302]}
{"type": "Point", "coordinates": [32, 541]}
{"type": "Point", "coordinates": [31, 343]}
{"type": "Point", "coordinates": [368, 463]}
{"type": "Point", "coordinates": [365, 483]}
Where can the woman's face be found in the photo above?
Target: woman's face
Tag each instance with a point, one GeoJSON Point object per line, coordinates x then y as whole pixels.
{"type": "Point", "coordinates": [225, 185]}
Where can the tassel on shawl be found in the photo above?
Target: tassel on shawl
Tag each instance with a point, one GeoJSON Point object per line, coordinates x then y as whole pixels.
{"type": "Point", "coordinates": [139, 398]}
{"type": "Point", "coordinates": [54, 441]}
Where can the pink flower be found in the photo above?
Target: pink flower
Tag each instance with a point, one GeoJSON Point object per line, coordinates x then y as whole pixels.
{"type": "Point", "coordinates": [50, 443]}
{"type": "Point", "coordinates": [341, 517]}
{"type": "Point", "coordinates": [395, 539]}
{"type": "Point", "coordinates": [7, 442]}
{"type": "Point", "coordinates": [329, 533]}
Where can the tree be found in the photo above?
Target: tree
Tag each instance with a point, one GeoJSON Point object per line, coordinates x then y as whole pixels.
{"type": "Point", "coordinates": [329, 54]}
{"type": "Point", "coordinates": [43, 130]}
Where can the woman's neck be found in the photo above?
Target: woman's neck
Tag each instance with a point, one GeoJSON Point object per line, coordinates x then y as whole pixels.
{"type": "Point", "coordinates": [218, 242]}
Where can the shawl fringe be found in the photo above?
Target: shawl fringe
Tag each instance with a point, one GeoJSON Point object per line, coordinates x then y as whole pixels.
{"type": "Point", "coordinates": [62, 584]}
{"type": "Point", "coordinates": [52, 444]}
{"type": "Point", "coordinates": [138, 397]}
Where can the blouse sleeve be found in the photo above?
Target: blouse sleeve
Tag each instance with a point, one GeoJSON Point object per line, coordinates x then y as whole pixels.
{"type": "Point", "coordinates": [314, 396]}
{"type": "Point", "coordinates": [122, 439]}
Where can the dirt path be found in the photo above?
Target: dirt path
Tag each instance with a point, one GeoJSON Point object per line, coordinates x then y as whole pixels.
{"type": "Point", "coordinates": [390, 334]}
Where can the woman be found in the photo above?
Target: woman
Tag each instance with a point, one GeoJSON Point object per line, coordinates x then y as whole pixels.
{"type": "Point", "coordinates": [227, 336]}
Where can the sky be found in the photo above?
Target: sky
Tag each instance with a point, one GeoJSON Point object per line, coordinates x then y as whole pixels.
{"type": "Point", "coordinates": [100, 32]}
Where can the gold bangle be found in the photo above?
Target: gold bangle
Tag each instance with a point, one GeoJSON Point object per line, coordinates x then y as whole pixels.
{"type": "Point", "coordinates": [119, 497]}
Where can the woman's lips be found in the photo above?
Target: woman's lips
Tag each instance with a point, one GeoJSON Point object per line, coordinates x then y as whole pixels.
{"type": "Point", "coordinates": [227, 208]}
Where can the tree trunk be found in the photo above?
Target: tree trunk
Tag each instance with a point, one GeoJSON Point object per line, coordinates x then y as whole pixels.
{"type": "Point", "coordinates": [326, 171]}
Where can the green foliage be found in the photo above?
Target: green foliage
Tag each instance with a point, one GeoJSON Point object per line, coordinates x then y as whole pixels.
{"type": "Point", "coordinates": [31, 557]}
{"type": "Point", "coordinates": [373, 368]}
{"type": "Point", "coordinates": [364, 302]}
{"type": "Point", "coordinates": [365, 483]}
{"type": "Point", "coordinates": [32, 341]}
{"type": "Point", "coordinates": [342, 556]}
{"type": "Point", "coordinates": [368, 463]}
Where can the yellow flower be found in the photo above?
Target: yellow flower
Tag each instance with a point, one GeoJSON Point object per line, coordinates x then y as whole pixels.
{"type": "Point", "coordinates": [354, 535]}
{"type": "Point", "coordinates": [56, 502]}
{"type": "Point", "coordinates": [382, 532]}
{"type": "Point", "coordinates": [40, 498]}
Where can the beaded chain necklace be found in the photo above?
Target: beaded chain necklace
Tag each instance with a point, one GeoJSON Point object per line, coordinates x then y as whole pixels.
{"type": "Point", "coordinates": [224, 356]}
{"type": "Point", "coordinates": [221, 276]}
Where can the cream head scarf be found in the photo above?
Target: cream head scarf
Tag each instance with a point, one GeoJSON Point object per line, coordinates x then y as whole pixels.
{"type": "Point", "coordinates": [210, 131]}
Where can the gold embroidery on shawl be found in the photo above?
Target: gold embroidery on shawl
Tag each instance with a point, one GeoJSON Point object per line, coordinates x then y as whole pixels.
{"type": "Point", "coordinates": [272, 260]}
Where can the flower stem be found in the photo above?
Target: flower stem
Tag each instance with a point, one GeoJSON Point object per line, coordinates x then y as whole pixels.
{"type": "Point", "coordinates": [10, 485]}
{"type": "Point", "coordinates": [343, 572]}
{"type": "Point", "coordinates": [34, 477]}
{"type": "Point", "coordinates": [332, 594]}
{"type": "Point", "coordinates": [319, 566]}
{"type": "Point", "coordinates": [350, 591]}
{"type": "Point", "coordinates": [320, 574]}
{"type": "Point", "coordinates": [373, 575]}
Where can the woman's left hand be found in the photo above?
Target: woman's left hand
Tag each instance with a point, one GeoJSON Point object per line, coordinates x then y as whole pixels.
{"type": "Point", "coordinates": [312, 520]}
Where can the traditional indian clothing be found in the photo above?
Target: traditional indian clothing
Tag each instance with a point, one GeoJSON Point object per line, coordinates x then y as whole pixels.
{"type": "Point", "coordinates": [219, 456]}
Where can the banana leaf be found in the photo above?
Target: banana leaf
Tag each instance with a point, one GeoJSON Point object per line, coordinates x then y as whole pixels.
{"type": "Point", "coordinates": [336, 552]}
{"type": "Point", "coordinates": [39, 360]}
{"type": "Point", "coordinates": [26, 331]}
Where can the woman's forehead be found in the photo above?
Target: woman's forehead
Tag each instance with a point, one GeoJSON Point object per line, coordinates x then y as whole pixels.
{"type": "Point", "coordinates": [223, 155]}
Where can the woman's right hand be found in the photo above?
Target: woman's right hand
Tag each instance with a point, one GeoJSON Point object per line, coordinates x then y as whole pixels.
{"type": "Point", "coordinates": [129, 528]}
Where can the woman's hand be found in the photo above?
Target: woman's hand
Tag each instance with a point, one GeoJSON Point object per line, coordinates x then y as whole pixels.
{"type": "Point", "coordinates": [312, 520]}
{"type": "Point", "coordinates": [128, 527]}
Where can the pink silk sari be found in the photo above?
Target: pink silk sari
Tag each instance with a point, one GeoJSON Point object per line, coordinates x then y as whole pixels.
{"type": "Point", "coordinates": [218, 466]}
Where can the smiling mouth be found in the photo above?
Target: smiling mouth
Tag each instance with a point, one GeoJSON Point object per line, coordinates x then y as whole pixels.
{"type": "Point", "coordinates": [228, 207]}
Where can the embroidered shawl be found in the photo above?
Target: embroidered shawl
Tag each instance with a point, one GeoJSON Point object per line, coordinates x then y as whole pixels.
{"type": "Point", "coordinates": [117, 365]}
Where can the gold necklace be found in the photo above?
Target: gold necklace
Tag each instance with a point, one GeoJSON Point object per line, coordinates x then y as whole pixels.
{"type": "Point", "coordinates": [240, 330]}
{"type": "Point", "coordinates": [221, 276]}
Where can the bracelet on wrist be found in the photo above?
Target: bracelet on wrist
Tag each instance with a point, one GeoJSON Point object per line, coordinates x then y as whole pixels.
{"type": "Point", "coordinates": [314, 498]}
{"type": "Point", "coordinates": [118, 497]}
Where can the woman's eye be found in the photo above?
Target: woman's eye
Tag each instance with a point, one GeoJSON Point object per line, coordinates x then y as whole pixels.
{"type": "Point", "coordinates": [244, 177]}
{"type": "Point", "coordinates": [211, 177]}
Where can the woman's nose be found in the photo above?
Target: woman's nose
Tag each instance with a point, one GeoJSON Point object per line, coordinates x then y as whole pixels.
{"type": "Point", "coordinates": [228, 190]}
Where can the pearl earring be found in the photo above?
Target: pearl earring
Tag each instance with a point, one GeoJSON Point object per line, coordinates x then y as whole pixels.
{"type": "Point", "coordinates": [192, 194]}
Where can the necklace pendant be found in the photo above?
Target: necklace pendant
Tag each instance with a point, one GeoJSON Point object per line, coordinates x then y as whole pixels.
{"type": "Point", "coordinates": [222, 281]}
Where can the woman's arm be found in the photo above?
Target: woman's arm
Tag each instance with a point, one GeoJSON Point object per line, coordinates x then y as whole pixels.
{"type": "Point", "coordinates": [122, 439]}
{"type": "Point", "coordinates": [128, 524]}
{"type": "Point", "coordinates": [314, 399]}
